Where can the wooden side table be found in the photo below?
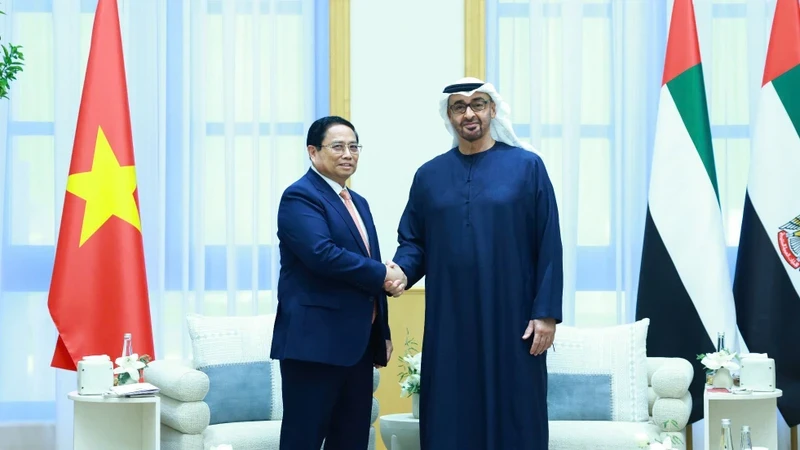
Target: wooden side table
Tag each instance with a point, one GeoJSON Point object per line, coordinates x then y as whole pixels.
{"type": "Point", "coordinates": [400, 431]}
{"type": "Point", "coordinates": [759, 410]}
{"type": "Point", "coordinates": [120, 423]}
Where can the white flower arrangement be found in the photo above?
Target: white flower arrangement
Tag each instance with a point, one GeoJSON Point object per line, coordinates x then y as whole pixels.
{"type": "Point", "coordinates": [411, 365]}
{"type": "Point", "coordinates": [129, 367]}
{"type": "Point", "coordinates": [723, 359]}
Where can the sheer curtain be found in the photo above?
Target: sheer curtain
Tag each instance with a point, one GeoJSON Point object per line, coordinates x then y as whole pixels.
{"type": "Point", "coordinates": [221, 93]}
{"type": "Point", "coordinates": [583, 77]}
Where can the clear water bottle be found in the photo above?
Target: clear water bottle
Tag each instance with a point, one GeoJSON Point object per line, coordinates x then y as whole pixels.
{"type": "Point", "coordinates": [746, 443]}
{"type": "Point", "coordinates": [720, 341]}
{"type": "Point", "coordinates": [127, 345]}
{"type": "Point", "coordinates": [127, 350]}
{"type": "Point", "coordinates": [726, 441]}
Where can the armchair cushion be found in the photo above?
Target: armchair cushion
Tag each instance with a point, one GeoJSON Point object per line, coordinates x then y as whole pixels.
{"type": "Point", "coordinates": [596, 435]}
{"type": "Point", "coordinates": [245, 435]}
{"type": "Point", "coordinates": [601, 372]}
{"type": "Point", "coordinates": [178, 380]}
{"type": "Point", "coordinates": [172, 439]}
{"type": "Point", "coordinates": [244, 383]}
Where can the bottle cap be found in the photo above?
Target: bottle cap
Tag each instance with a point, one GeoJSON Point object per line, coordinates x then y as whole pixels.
{"type": "Point", "coordinates": [127, 336]}
{"type": "Point", "coordinates": [726, 422]}
{"type": "Point", "coordinates": [745, 428]}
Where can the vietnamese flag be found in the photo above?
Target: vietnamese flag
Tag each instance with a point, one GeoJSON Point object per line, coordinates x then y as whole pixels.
{"type": "Point", "coordinates": [99, 288]}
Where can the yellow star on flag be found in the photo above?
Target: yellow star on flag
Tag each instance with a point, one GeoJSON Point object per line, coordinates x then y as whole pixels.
{"type": "Point", "coordinates": [108, 190]}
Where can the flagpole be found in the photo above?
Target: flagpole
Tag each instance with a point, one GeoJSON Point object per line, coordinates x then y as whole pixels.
{"type": "Point", "coordinates": [689, 437]}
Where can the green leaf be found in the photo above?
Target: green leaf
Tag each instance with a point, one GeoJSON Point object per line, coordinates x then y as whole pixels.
{"type": "Point", "coordinates": [10, 65]}
{"type": "Point", "coordinates": [123, 378]}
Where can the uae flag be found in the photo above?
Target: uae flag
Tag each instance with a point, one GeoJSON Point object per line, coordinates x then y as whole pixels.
{"type": "Point", "coordinates": [99, 290]}
{"type": "Point", "coordinates": [684, 283]}
{"type": "Point", "coordinates": [767, 281]}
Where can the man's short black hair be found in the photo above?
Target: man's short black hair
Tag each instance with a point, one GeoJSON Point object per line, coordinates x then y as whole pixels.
{"type": "Point", "coordinates": [317, 130]}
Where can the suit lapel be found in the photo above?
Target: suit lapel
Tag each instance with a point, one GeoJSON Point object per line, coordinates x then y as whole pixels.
{"type": "Point", "coordinates": [369, 226]}
{"type": "Point", "coordinates": [336, 202]}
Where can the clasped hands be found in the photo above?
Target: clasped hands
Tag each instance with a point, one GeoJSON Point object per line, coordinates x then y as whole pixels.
{"type": "Point", "coordinates": [395, 281]}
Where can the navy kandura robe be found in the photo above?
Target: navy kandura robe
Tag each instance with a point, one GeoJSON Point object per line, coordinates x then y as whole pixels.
{"type": "Point", "coordinates": [484, 231]}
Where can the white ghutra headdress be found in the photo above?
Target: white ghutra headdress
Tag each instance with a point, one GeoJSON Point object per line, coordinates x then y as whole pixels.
{"type": "Point", "coordinates": [500, 128]}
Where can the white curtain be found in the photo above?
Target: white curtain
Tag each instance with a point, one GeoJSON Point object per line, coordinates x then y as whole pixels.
{"type": "Point", "coordinates": [221, 94]}
{"type": "Point", "coordinates": [583, 78]}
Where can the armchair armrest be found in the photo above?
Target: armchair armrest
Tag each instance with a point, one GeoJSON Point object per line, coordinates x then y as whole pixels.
{"type": "Point", "coordinates": [178, 380]}
{"type": "Point", "coordinates": [182, 392]}
{"type": "Point", "coordinates": [669, 392]}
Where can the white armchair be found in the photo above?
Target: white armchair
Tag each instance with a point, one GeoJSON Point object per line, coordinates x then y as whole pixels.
{"type": "Point", "coordinates": [669, 406]}
{"type": "Point", "coordinates": [603, 390]}
{"type": "Point", "coordinates": [229, 352]}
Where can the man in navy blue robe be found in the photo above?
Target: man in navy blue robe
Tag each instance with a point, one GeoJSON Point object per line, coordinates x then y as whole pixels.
{"type": "Point", "coordinates": [481, 224]}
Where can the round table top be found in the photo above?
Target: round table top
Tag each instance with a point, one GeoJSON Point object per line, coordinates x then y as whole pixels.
{"type": "Point", "coordinates": [402, 417]}
{"type": "Point", "coordinates": [102, 399]}
{"type": "Point", "coordinates": [743, 396]}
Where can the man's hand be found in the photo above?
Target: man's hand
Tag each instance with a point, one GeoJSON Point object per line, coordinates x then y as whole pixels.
{"type": "Point", "coordinates": [543, 330]}
{"type": "Point", "coordinates": [389, 350]}
{"type": "Point", "coordinates": [396, 281]}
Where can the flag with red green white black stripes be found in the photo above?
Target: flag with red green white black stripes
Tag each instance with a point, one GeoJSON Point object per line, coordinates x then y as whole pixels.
{"type": "Point", "coordinates": [684, 280]}
{"type": "Point", "coordinates": [767, 279]}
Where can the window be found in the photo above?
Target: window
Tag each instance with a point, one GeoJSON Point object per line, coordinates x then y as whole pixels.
{"type": "Point", "coordinates": [510, 66]}
{"type": "Point", "coordinates": [34, 189]}
{"type": "Point", "coordinates": [525, 50]}
{"type": "Point", "coordinates": [729, 83]}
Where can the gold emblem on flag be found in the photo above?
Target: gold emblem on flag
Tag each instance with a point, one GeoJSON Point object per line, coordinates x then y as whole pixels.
{"type": "Point", "coordinates": [789, 242]}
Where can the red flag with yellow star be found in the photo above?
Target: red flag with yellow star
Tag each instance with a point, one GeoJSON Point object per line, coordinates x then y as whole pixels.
{"type": "Point", "coordinates": [99, 288]}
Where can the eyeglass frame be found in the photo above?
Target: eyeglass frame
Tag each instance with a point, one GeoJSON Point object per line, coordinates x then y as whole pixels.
{"type": "Point", "coordinates": [347, 146]}
{"type": "Point", "coordinates": [469, 105]}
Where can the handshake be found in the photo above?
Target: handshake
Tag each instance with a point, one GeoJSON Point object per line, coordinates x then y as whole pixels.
{"type": "Point", "coordinates": [395, 281]}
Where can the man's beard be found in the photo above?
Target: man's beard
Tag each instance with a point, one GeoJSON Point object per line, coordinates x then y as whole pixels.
{"type": "Point", "coordinates": [470, 137]}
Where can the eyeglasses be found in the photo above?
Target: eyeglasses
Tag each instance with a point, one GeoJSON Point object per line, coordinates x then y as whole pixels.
{"type": "Point", "coordinates": [477, 105]}
{"type": "Point", "coordinates": [338, 148]}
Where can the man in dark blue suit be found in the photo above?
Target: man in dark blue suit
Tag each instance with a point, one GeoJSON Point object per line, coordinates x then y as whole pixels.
{"type": "Point", "coordinates": [332, 323]}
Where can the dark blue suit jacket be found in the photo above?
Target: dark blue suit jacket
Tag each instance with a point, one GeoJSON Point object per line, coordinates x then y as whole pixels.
{"type": "Point", "coordinates": [328, 282]}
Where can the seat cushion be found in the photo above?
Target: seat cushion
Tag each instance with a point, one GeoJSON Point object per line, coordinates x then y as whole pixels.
{"type": "Point", "coordinates": [599, 435]}
{"type": "Point", "coordinates": [172, 439]}
{"type": "Point", "coordinates": [261, 435]}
